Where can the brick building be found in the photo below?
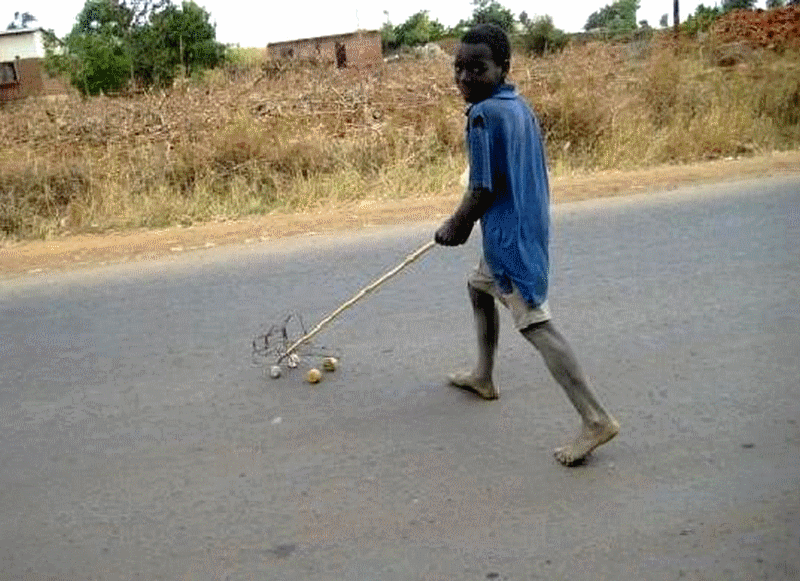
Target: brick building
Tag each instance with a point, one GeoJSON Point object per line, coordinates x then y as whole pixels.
{"type": "Point", "coordinates": [354, 49]}
{"type": "Point", "coordinates": [22, 71]}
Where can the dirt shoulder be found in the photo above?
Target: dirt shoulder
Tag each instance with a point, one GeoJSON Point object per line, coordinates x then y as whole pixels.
{"type": "Point", "coordinates": [88, 250]}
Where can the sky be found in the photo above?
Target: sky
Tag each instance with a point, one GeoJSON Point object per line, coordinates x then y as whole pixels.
{"type": "Point", "coordinates": [255, 24]}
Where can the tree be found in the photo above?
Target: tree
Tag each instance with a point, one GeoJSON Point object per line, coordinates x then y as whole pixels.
{"type": "Point", "coordinates": [702, 19]}
{"type": "Point", "coordinates": [772, 4]}
{"type": "Point", "coordinates": [676, 15]}
{"type": "Point", "coordinates": [114, 42]}
{"type": "Point", "coordinates": [617, 17]}
{"type": "Point", "coordinates": [21, 20]}
{"type": "Point", "coordinates": [95, 54]}
{"type": "Point", "coordinates": [102, 17]}
{"type": "Point", "coordinates": [728, 5]}
{"type": "Point", "coordinates": [492, 12]}
{"type": "Point", "coordinates": [388, 34]}
{"type": "Point", "coordinates": [177, 37]}
{"type": "Point", "coordinates": [541, 36]}
{"type": "Point", "coordinates": [417, 30]}
{"type": "Point", "coordinates": [664, 22]}
{"type": "Point", "coordinates": [141, 11]}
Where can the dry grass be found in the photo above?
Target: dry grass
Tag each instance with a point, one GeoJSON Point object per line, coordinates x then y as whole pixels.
{"type": "Point", "coordinates": [605, 109]}
{"type": "Point", "coordinates": [247, 140]}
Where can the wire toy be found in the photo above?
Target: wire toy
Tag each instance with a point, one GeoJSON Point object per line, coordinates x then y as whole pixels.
{"type": "Point", "coordinates": [278, 342]}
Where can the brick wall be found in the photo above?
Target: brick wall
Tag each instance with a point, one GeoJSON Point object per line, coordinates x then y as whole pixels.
{"type": "Point", "coordinates": [357, 49]}
{"type": "Point", "coordinates": [31, 80]}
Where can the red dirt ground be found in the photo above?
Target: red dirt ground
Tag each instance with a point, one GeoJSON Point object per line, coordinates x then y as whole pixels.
{"type": "Point", "coordinates": [773, 29]}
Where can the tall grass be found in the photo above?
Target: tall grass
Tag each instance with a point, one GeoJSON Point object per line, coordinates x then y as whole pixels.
{"type": "Point", "coordinates": [253, 138]}
{"type": "Point", "coordinates": [603, 108]}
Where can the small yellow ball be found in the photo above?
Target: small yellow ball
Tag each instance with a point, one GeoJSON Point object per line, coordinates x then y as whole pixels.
{"type": "Point", "coordinates": [313, 375]}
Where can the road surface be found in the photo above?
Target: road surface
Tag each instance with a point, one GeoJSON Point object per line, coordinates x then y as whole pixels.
{"type": "Point", "coordinates": [140, 438]}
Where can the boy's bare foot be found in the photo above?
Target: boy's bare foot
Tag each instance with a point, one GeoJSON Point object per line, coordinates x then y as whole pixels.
{"type": "Point", "coordinates": [480, 387]}
{"type": "Point", "coordinates": [590, 438]}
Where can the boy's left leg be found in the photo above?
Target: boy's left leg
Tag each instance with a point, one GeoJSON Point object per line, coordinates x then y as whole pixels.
{"type": "Point", "coordinates": [598, 425]}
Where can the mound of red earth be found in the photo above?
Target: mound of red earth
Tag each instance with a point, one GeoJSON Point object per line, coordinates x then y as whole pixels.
{"type": "Point", "coordinates": [775, 29]}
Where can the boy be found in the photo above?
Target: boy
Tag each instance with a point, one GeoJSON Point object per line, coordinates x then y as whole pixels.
{"type": "Point", "coordinates": [508, 192]}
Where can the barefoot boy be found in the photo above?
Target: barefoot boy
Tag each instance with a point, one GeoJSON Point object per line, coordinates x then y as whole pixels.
{"type": "Point", "coordinates": [508, 192]}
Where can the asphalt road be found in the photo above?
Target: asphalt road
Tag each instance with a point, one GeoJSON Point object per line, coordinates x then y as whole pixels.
{"type": "Point", "coordinates": [140, 439]}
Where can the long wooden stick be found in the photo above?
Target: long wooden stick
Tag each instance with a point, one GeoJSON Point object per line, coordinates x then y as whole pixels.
{"type": "Point", "coordinates": [358, 296]}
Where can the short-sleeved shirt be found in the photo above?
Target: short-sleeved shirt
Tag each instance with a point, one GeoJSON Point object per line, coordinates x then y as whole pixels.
{"type": "Point", "coordinates": [507, 157]}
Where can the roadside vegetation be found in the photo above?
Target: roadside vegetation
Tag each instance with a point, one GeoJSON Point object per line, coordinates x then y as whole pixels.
{"type": "Point", "coordinates": [131, 45]}
{"type": "Point", "coordinates": [253, 136]}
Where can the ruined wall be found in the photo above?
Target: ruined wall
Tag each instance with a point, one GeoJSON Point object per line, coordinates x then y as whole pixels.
{"type": "Point", "coordinates": [31, 80]}
{"type": "Point", "coordinates": [357, 49]}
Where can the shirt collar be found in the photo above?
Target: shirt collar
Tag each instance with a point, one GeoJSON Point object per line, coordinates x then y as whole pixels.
{"type": "Point", "coordinates": [504, 91]}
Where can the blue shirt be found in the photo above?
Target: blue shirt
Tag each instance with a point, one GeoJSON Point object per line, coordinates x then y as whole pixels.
{"type": "Point", "coordinates": [507, 157]}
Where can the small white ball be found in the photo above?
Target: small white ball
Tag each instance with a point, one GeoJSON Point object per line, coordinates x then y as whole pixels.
{"type": "Point", "coordinates": [313, 375]}
{"type": "Point", "coordinates": [330, 363]}
{"type": "Point", "coordinates": [293, 361]}
{"type": "Point", "coordinates": [275, 371]}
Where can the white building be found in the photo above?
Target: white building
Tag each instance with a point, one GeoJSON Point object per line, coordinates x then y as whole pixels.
{"type": "Point", "coordinates": [22, 71]}
{"type": "Point", "coordinates": [26, 43]}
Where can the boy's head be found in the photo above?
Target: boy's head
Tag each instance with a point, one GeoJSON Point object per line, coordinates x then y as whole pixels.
{"type": "Point", "coordinates": [482, 62]}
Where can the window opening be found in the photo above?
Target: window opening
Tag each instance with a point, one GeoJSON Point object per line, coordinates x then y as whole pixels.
{"type": "Point", "coordinates": [8, 74]}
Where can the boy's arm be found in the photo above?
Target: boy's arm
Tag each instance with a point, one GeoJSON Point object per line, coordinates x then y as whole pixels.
{"type": "Point", "coordinates": [457, 228]}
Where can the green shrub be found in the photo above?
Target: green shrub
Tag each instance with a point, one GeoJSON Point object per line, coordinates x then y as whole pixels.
{"type": "Point", "coordinates": [542, 37]}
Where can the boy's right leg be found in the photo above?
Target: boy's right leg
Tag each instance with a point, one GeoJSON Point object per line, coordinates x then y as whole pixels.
{"type": "Point", "coordinates": [487, 327]}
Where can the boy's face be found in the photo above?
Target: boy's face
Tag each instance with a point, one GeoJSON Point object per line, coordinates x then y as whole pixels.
{"type": "Point", "coordinates": [476, 73]}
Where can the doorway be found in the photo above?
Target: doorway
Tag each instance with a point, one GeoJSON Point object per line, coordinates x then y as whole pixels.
{"type": "Point", "coordinates": [341, 55]}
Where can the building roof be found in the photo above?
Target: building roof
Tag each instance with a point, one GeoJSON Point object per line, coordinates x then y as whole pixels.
{"type": "Point", "coordinates": [20, 31]}
{"type": "Point", "coordinates": [326, 37]}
